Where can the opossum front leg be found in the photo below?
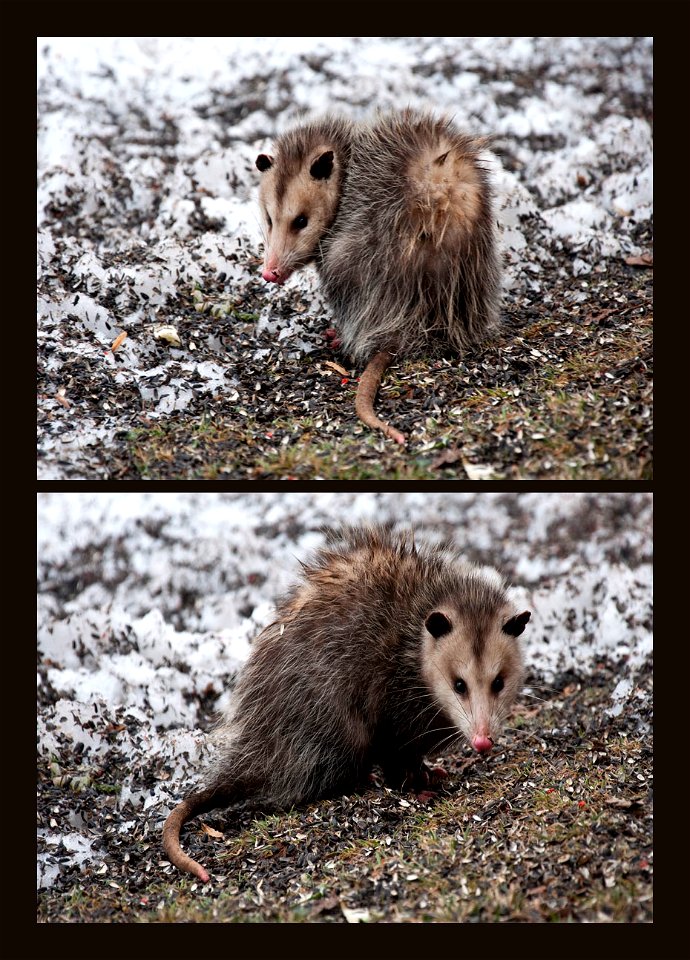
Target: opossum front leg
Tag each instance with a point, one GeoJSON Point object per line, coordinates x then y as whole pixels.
{"type": "Point", "coordinates": [407, 772]}
{"type": "Point", "coordinates": [412, 773]}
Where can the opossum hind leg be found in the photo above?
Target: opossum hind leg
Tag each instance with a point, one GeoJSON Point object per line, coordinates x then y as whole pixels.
{"type": "Point", "coordinates": [366, 393]}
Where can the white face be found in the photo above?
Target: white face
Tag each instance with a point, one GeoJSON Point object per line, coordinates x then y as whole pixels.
{"type": "Point", "coordinates": [296, 213]}
{"type": "Point", "coordinates": [474, 673]}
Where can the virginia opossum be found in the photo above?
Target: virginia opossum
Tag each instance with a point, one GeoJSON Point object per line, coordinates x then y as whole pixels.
{"type": "Point", "coordinates": [385, 651]}
{"type": "Point", "coordinates": [396, 215]}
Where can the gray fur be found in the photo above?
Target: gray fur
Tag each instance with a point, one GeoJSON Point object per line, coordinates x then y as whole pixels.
{"type": "Point", "coordinates": [381, 301]}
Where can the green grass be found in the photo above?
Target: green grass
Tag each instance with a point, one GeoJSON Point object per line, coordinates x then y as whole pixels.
{"type": "Point", "coordinates": [214, 449]}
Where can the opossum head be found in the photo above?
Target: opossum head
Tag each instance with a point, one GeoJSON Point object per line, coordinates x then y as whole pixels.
{"type": "Point", "coordinates": [299, 196]}
{"type": "Point", "coordinates": [473, 666]}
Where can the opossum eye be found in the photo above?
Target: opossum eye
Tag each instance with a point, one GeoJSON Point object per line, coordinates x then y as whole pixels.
{"type": "Point", "coordinates": [300, 222]}
{"type": "Point", "coordinates": [269, 221]}
{"type": "Point", "coordinates": [460, 686]}
{"type": "Point", "coordinates": [263, 162]}
{"type": "Point", "coordinates": [437, 624]}
{"type": "Point", "coordinates": [516, 625]}
{"type": "Point", "coordinates": [497, 684]}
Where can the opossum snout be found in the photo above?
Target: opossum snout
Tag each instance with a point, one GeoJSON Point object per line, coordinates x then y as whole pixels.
{"type": "Point", "coordinates": [274, 276]}
{"type": "Point", "coordinates": [276, 268]}
{"type": "Point", "coordinates": [482, 743]}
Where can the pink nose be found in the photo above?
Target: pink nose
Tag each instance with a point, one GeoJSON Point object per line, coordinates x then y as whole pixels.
{"type": "Point", "coordinates": [482, 744]}
{"type": "Point", "coordinates": [272, 276]}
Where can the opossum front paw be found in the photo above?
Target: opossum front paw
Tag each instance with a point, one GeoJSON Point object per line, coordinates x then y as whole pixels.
{"type": "Point", "coordinates": [429, 779]}
{"type": "Point", "coordinates": [416, 779]}
{"type": "Point", "coordinates": [425, 795]}
{"type": "Point", "coordinates": [333, 341]}
{"type": "Point", "coordinates": [436, 774]}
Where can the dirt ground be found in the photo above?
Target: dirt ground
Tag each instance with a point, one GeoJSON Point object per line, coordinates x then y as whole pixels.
{"type": "Point", "coordinates": [565, 393]}
{"type": "Point", "coordinates": [554, 826]}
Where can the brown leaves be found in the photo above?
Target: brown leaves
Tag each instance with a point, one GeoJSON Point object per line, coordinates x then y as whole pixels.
{"type": "Point", "coordinates": [645, 260]}
{"type": "Point", "coordinates": [447, 457]}
{"type": "Point", "coordinates": [452, 456]}
{"type": "Point", "coordinates": [336, 367]}
{"type": "Point", "coordinates": [210, 832]}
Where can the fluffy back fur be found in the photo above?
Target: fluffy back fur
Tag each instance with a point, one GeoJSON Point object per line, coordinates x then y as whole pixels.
{"type": "Point", "coordinates": [410, 265]}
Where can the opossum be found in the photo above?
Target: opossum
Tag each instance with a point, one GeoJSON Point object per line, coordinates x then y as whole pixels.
{"type": "Point", "coordinates": [384, 651]}
{"type": "Point", "coordinates": [396, 215]}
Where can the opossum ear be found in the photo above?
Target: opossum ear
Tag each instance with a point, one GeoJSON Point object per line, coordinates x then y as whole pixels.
{"type": "Point", "coordinates": [263, 162]}
{"type": "Point", "coordinates": [322, 167]}
{"type": "Point", "coordinates": [438, 624]}
{"type": "Point", "coordinates": [516, 625]}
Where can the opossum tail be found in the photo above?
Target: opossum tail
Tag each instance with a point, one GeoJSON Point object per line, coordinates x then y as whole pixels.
{"type": "Point", "coordinates": [194, 804]}
{"type": "Point", "coordinates": [366, 393]}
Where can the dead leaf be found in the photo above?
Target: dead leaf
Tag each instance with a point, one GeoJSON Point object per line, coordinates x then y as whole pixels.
{"type": "Point", "coordinates": [119, 340]}
{"type": "Point", "coordinates": [478, 471]}
{"type": "Point", "coordinates": [328, 903]}
{"type": "Point", "coordinates": [645, 260]}
{"type": "Point", "coordinates": [336, 366]}
{"type": "Point", "coordinates": [209, 831]}
{"type": "Point", "coordinates": [622, 804]}
{"type": "Point", "coordinates": [167, 332]}
{"type": "Point", "coordinates": [355, 916]}
{"type": "Point", "coordinates": [62, 399]}
{"type": "Point", "coordinates": [450, 456]}
{"type": "Point", "coordinates": [602, 315]}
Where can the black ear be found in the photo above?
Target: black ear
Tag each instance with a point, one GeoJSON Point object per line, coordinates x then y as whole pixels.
{"type": "Point", "coordinates": [438, 624]}
{"type": "Point", "coordinates": [263, 162]}
{"type": "Point", "coordinates": [322, 167]}
{"type": "Point", "coordinates": [516, 625]}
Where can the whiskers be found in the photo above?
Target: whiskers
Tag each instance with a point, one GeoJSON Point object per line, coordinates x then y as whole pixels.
{"type": "Point", "coordinates": [455, 733]}
{"type": "Point", "coordinates": [532, 691]}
